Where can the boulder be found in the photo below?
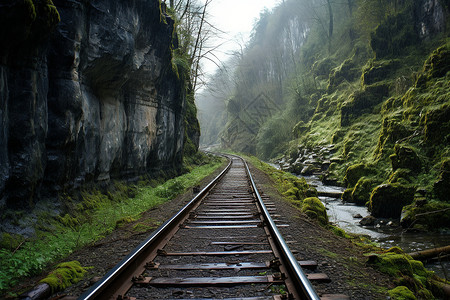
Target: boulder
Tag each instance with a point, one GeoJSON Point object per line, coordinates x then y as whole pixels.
{"type": "Point", "coordinates": [308, 170]}
{"type": "Point", "coordinates": [315, 209]}
{"type": "Point", "coordinates": [387, 200]}
{"type": "Point", "coordinates": [406, 158]}
{"type": "Point", "coordinates": [362, 191]}
{"type": "Point", "coordinates": [355, 172]}
{"type": "Point", "coordinates": [368, 221]}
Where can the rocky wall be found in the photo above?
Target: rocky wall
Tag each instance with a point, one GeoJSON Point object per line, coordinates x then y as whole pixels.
{"type": "Point", "coordinates": [96, 99]}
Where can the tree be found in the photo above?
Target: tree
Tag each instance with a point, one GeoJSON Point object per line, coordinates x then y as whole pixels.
{"type": "Point", "coordinates": [195, 34]}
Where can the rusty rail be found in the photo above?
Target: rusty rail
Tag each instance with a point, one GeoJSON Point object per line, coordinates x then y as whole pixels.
{"type": "Point", "coordinates": [106, 287]}
{"type": "Point", "coordinates": [299, 284]}
{"type": "Point", "coordinates": [118, 281]}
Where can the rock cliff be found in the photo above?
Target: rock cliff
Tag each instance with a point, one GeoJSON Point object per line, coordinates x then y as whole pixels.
{"type": "Point", "coordinates": [86, 99]}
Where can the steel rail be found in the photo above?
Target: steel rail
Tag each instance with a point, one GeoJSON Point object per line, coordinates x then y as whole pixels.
{"type": "Point", "coordinates": [301, 284]}
{"type": "Point", "coordinates": [128, 264]}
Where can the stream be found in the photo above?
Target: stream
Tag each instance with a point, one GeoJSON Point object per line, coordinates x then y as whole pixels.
{"type": "Point", "coordinates": [342, 215]}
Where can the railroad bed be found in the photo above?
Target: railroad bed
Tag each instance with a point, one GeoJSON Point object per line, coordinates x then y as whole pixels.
{"type": "Point", "coordinates": [222, 245]}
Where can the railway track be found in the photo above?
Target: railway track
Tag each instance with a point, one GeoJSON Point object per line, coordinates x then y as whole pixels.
{"type": "Point", "coordinates": [223, 244]}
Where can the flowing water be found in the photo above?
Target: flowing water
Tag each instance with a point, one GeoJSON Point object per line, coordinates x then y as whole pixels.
{"type": "Point", "coordinates": [342, 214]}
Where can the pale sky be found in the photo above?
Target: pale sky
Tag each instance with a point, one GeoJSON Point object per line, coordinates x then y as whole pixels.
{"type": "Point", "coordinates": [236, 18]}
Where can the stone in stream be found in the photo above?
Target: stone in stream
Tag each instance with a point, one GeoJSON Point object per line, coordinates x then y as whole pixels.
{"type": "Point", "coordinates": [368, 221]}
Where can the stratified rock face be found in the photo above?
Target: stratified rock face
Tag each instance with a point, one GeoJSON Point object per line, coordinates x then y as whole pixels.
{"type": "Point", "coordinates": [98, 99]}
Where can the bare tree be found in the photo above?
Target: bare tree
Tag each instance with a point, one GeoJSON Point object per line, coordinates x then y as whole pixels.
{"type": "Point", "coordinates": [195, 32]}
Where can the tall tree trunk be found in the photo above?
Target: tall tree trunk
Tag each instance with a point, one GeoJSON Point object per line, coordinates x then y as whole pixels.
{"type": "Point", "coordinates": [331, 25]}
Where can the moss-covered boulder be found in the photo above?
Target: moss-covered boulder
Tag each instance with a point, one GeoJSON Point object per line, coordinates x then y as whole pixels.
{"type": "Point", "coordinates": [402, 176]}
{"type": "Point", "coordinates": [363, 189]}
{"type": "Point", "coordinates": [64, 275]}
{"type": "Point", "coordinates": [442, 186]}
{"type": "Point", "coordinates": [392, 130]}
{"type": "Point", "coordinates": [315, 209]}
{"type": "Point", "coordinates": [405, 157]}
{"type": "Point", "coordinates": [409, 274]}
{"type": "Point", "coordinates": [401, 293]}
{"type": "Point", "coordinates": [437, 65]}
{"type": "Point", "coordinates": [433, 215]}
{"type": "Point", "coordinates": [347, 71]}
{"type": "Point", "coordinates": [388, 200]}
{"type": "Point", "coordinates": [362, 101]}
{"type": "Point", "coordinates": [436, 124]}
{"type": "Point", "coordinates": [355, 172]}
{"type": "Point", "coordinates": [322, 67]}
{"type": "Point", "coordinates": [378, 70]}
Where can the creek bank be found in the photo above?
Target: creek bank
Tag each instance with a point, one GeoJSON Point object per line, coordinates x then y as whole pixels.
{"type": "Point", "coordinates": [353, 218]}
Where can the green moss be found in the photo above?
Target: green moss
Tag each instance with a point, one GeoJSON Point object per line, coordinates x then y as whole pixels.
{"type": "Point", "coordinates": [347, 195]}
{"type": "Point", "coordinates": [362, 102]}
{"type": "Point", "coordinates": [10, 241]}
{"type": "Point", "coordinates": [436, 124]}
{"type": "Point", "coordinates": [69, 221]}
{"type": "Point", "coordinates": [292, 193]}
{"type": "Point", "coordinates": [363, 189]}
{"type": "Point", "coordinates": [323, 67]}
{"type": "Point", "coordinates": [392, 130]}
{"type": "Point", "coordinates": [125, 220]}
{"type": "Point", "coordinates": [432, 215]}
{"type": "Point", "coordinates": [408, 272]}
{"type": "Point", "coordinates": [299, 128]}
{"type": "Point", "coordinates": [388, 200]}
{"type": "Point", "coordinates": [395, 34]}
{"type": "Point", "coordinates": [339, 232]}
{"type": "Point", "coordinates": [401, 293]}
{"type": "Point", "coordinates": [145, 226]}
{"type": "Point", "coordinates": [64, 275]}
{"type": "Point", "coordinates": [378, 70]}
{"type": "Point", "coordinates": [315, 209]}
{"type": "Point", "coordinates": [355, 172]}
{"type": "Point", "coordinates": [346, 72]}
{"type": "Point", "coordinates": [437, 64]}
{"type": "Point", "coordinates": [405, 157]}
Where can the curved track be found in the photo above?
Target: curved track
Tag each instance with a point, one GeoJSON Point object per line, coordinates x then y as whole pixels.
{"type": "Point", "coordinates": [223, 244]}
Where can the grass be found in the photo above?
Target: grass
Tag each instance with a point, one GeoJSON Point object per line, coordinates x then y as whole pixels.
{"type": "Point", "coordinates": [50, 246]}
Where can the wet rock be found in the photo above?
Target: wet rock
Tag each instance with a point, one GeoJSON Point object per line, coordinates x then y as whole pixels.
{"type": "Point", "coordinates": [357, 216]}
{"type": "Point", "coordinates": [347, 195]}
{"type": "Point", "coordinates": [387, 200]}
{"type": "Point", "coordinates": [368, 221]}
{"type": "Point", "coordinates": [308, 170]}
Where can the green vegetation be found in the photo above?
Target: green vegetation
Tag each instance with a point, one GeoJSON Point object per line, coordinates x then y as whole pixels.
{"type": "Point", "coordinates": [87, 220]}
{"type": "Point", "coordinates": [296, 191]}
{"type": "Point", "coordinates": [315, 209]}
{"type": "Point", "coordinates": [411, 278]}
{"type": "Point", "coordinates": [64, 275]}
{"type": "Point", "coordinates": [401, 293]}
{"type": "Point", "coordinates": [380, 95]}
